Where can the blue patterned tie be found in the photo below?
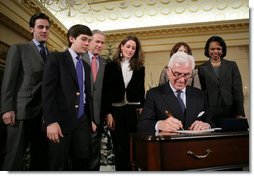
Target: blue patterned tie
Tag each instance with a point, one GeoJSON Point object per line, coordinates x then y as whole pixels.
{"type": "Point", "coordinates": [79, 71]}
{"type": "Point", "coordinates": [178, 96]}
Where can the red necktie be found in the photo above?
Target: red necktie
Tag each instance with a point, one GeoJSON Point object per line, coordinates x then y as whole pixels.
{"type": "Point", "coordinates": [94, 68]}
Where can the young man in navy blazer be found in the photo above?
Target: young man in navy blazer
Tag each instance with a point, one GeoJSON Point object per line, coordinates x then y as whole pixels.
{"type": "Point", "coordinates": [66, 115]}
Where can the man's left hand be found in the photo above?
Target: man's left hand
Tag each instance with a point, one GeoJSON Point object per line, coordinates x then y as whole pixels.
{"type": "Point", "coordinates": [199, 125]}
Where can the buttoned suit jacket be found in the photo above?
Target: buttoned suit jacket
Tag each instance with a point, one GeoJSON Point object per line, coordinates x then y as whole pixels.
{"type": "Point", "coordinates": [96, 88]}
{"type": "Point", "coordinates": [228, 86]}
{"type": "Point", "coordinates": [162, 98]}
{"type": "Point", "coordinates": [22, 81]}
{"type": "Point", "coordinates": [61, 91]}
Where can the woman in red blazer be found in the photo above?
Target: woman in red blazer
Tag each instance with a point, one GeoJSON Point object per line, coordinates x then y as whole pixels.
{"type": "Point", "coordinates": [123, 96]}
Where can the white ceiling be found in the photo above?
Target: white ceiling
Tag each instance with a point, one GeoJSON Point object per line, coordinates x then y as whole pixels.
{"type": "Point", "coordinates": [108, 15]}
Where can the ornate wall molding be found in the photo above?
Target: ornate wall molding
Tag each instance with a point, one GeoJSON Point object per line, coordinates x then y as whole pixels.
{"type": "Point", "coordinates": [3, 52]}
{"type": "Point", "coordinates": [161, 38]}
{"type": "Point", "coordinates": [198, 28]}
{"type": "Point", "coordinates": [16, 15]}
{"type": "Point", "coordinates": [15, 26]}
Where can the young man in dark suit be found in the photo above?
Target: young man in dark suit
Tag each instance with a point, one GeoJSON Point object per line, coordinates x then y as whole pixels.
{"type": "Point", "coordinates": [174, 105]}
{"type": "Point", "coordinates": [67, 103]}
{"type": "Point", "coordinates": [21, 107]}
{"type": "Point", "coordinates": [93, 57]}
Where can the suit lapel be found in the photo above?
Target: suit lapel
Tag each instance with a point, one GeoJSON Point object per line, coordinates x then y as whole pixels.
{"type": "Point", "coordinates": [223, 71]}
{"type": "Point", "coordinates": [189, 106]}
{"type": "Point", "coordinates": [172, 102]}
{"type": "Point", "coordinates": [101, 68]}
{"type": "Point", "coordinates": [87, 71]}
{"type": "Point", "coordinates": [35, 51]}
{"type": "Point", "coordinates": [70, 65]}
{"type": "Point", "coordinates": [86, 58]}
{"type": "Point", "coordinates": [211, 72]}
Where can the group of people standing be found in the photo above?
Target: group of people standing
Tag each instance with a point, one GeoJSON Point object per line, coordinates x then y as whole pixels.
{"type": "Point", "coordinates": [58, 104]}
{"type": "Point", "coordinates": [178, 102]}
{"type": "Point", "coordinates": [55, 102]}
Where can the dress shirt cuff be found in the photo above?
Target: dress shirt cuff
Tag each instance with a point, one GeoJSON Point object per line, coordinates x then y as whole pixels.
{"type": "Point", "coordinates": [156, 126]}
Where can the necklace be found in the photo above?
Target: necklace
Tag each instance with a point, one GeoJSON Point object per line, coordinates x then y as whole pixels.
{"type": "Point", "coordinates": [216, 64]}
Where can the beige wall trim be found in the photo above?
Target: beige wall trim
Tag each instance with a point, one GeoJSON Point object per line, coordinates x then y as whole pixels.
{"type": "Point", "coordinates": [162, 38]}
{"type": "Point", "coordinates": [241, 24]}
{"type": "Point", "coordinates": [15, 26]}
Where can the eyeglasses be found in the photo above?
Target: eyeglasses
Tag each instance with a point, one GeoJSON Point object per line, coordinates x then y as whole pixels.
{"type": "Point", "coordinates": [179, 75]}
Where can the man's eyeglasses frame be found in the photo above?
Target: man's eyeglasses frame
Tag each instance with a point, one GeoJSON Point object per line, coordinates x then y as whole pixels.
{"type": "Point", "coordinates": [179, 75]}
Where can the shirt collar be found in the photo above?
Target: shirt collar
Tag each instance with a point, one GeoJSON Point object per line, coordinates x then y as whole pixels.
{"type": "Point", "coordinates": [125, 60]}
{"type": "Point", "coordinates": [91, 55]}
{"type": "Point", "coordinates": [73, 53]}
{"type": "Point", "coordinates": [174, 90]}
{"type": "Point", "coordinates": [37, 43]}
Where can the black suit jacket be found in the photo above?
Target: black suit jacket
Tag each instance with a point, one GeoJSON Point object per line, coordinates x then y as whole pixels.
{"type": "Point", "coordinates": [162, 98]}
{"type": "Point", "coordinates": [227, 87]}
{"type": "Point", "coordinates": [114, 88]}
{"type": "Point", "coordinates": [60, 91]}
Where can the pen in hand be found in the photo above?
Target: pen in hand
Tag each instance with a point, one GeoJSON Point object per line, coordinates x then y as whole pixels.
{"type": "Point", "coordinates": [168, 114]}
{"type": "Point", "coordinates": [200, 114]}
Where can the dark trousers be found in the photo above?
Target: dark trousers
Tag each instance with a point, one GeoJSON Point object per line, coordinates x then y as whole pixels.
{"type": "Point", "coordinates": [23, 134]}
{"type": "Point", "coordinates": [72, 153]}
{"type": "Point", "coordinates": [95, 151]}
{"type": "Point", "coordinates": [125, 123]}
{"type": "Point", "coordinates": [3, 135]}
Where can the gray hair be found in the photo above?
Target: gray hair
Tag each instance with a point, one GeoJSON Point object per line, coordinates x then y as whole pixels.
{"type": "Point", "coordinates": [97, 31]}
{"type": "Point", "coordinates": [181, 58]}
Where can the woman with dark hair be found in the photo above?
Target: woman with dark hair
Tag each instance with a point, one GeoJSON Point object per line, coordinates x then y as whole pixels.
{"type": "Point", "coordinates": [221, 81]}
{"type": "Point", "coordinates": [123, 97]}
{"type": "Point", "coordinates": [180, 47]}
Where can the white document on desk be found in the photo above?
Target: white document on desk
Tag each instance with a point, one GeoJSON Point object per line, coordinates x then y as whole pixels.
{"type": "Point", "coordinates": [198, 131]}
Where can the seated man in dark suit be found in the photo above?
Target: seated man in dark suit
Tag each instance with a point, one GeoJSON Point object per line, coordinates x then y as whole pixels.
{"type": "Point", "coordinates": [174, 105]}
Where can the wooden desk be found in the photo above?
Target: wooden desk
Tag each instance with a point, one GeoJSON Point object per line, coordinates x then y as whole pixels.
{"type": "Point", "coordinates": [174, 152]}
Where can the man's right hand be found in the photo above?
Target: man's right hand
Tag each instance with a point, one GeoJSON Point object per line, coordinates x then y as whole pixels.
{"type": "Point", "coordinates": [170, 124]}
{"type": "Point", "coordinates": [54, 132]}
{"type": "Point", "coordinates": [9, 118]}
